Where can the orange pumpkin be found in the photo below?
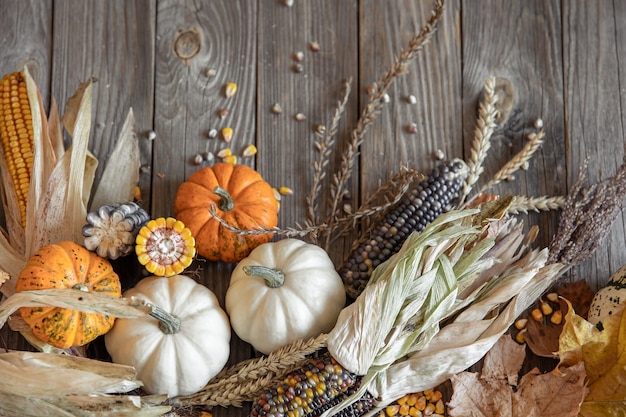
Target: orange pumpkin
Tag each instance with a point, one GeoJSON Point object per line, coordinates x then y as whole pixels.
{"type": "Point", "coordinates": [240, 196]}
{"type": "Point", "coordinates": [67, 265]}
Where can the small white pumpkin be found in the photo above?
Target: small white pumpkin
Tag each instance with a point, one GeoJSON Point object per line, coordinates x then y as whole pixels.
{"type": "Point", "coordinates": [610, 299]}
{"type": "Point", "coordinates": [284, 291]}
{"type": "Point", "coordinates": [182, 345]}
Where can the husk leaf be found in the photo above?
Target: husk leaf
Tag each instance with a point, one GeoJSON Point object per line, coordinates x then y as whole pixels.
{"type": "Point", "coordinates": [43, 384]}
{"type": "Point", "coordinates": [121, 174]}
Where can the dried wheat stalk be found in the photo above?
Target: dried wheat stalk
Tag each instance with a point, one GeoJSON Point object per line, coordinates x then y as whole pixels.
{"type": "Point", "coordinates": [373, 108]}
{"type": "Point", "coordinates": [246, 380]}
{"type": "Point", "coordinates": [324, 147]}
{"type": "Point", "coordinates": [523, 204]}
{"type": "Point", "coordinates": [485, 125]}
{"type": "Point", "coordinates": [517, 162]}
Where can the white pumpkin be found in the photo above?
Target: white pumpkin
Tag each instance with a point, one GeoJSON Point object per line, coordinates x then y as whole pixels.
{"type": "Point", "coordinates": [610, 299]}
{"type": "Point", "coordinates": [284, 291]}
{"type": "Point", "coordinates": [178, 353]}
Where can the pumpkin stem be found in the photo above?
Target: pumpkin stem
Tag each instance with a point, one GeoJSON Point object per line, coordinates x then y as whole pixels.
{"type": "Point", "coordinates": [274, 278]}
{"type": "Point", "coordinates": [168, 323]}
{"type": "Point", "coordinates": [226, 202]}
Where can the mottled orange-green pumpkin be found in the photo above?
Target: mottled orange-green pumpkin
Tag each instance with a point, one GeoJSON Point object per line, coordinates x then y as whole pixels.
{"type": "Point", "coordinates": [242, 199]}
{"type": "Point", "coordinates": [67, 265]}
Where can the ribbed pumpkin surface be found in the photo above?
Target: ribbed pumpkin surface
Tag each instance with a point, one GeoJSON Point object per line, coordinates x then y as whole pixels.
{"type": "Point", "coordinates": [254, 205]}
{"type": "Point", "coordinates": [67, 265]}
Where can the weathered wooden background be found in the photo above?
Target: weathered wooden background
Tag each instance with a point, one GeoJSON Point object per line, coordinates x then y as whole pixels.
{"type": "Point", "coordinates": [170, 59]}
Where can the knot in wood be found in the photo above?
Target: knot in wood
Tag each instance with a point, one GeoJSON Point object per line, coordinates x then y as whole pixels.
{"type": "Point", "coordinates": [187, 44]}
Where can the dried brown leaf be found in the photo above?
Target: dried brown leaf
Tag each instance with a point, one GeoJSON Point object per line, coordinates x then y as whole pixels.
{"type": "Point", "coordinates": [494, 391]}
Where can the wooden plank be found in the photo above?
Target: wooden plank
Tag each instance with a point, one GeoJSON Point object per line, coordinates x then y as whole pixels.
{"type": "Point", "coordinates": [594, 80]}
{"type": "Point", "coordinates": [520, 42]}
{"type": "Point", "coordinates": [312, 87]}
{"type": "Point", "coordinates": [25, 39]}
{"type": "Point", "coordinates": [433, 79]}
{"type": "Point", "coordinates": [114, 43]}
{"type": "Point", "coordinates": [200, 48]}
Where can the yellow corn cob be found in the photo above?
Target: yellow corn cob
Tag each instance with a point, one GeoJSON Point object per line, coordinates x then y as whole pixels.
{"type": "Point", "coordinates": [16, 134]}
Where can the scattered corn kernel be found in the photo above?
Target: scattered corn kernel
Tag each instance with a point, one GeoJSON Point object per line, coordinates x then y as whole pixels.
{"type": "Point", "coordinates": [536, 314]}
{"type": "Point", "coordinates": [429, 410]}
{"type": "Point", "coordinates": [212, 133]}
{"type": "Point", "coordinates": [197, 159]}
{"type": "Point", "coordinates": [553, 296]}
{"type": "Point", "coordinates": [277, 194]}
{"type": "Point", "coordinates": [556, 317]}
{"type": "Point", "coordinates": [546, 309]}
{"type": "Point", "coordinates": [519, 337]}
{"type": "Point", "coordinates": [250, 150]}
{"type": "Point", "coordinates": [520, 323]}
{"type": "Point", "coordinates": [285, 190]}
{"type": "Point", "coordinates": [230, 159]}
{"type": "Point", "coordinates": [137, 193]}
{"type": "Point", "coordinates": [224, 153]}
{"type": "Point", "coordinates": [277, 109]}
{"type": "Point", "coordinates": [227, 134]}
{"type": "Point", "coordinates": [223, 112]}
{"type": "Point", "coordinates": [299, 117]}
{"type": "Point", "coordinates": [230, 90]}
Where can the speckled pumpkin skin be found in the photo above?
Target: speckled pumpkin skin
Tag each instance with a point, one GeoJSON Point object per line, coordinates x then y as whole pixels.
{"type": "Point", "coordinates": [65, 265]}
{"type": "Point", "coordinates": [254, 205]}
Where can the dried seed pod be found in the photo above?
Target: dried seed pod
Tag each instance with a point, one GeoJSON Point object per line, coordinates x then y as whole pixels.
{"type": "Point", "coordinates": [165, 246]}
{"type": "Point", "coordinates": [111, 230]}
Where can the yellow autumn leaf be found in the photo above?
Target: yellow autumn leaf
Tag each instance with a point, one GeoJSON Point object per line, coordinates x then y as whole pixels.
{"type": "Point", "coordinates": [604, 355]}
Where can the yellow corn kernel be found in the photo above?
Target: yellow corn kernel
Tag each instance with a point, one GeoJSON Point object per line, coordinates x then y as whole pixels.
{"type": "Point", "coordinates": [249, 151]}
{"type": "Point", "coordinates": [230, 159]}
{"type": "Point", "coordinates": [230, 90]}
{"type": "Point", "coordinates": [435, 396]}
{"type": "Point", "coordinates": [546, 309]}
{"type": "Point", "coordinates": [224, 153]}
{"type": "Point", "coordinates": [227, 134]}
{"type": "Point", "coordinates": [440, 407]}
{"type": "Point", "coordinates": [537, 315]}
{"type": "Point", "coordinates": [16, 135]}
{"type": "Point", "coordinates": [556, 317]}
{"type": "Point", "coordinates": [553, 296]}
{"type": "Point", "coordinates": [285, 190]}
{"type": "Point", "coordinates": [520, 323]}
{"type": "Point", "coordinates": [392, 410]}
{"type": "Point", "coordinates": [421, 403]}
{"type": "Point", "coordinates": [429, 410]}
{"type": "Point", "coordinates": [519, 337]}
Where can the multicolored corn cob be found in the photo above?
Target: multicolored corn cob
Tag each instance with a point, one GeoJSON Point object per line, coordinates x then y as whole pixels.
{"type": "Point", "coordinates": [413, 213]}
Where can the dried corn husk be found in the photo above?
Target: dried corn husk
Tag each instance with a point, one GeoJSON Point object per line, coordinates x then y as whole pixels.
{"type": "Point", "coordinates": [433, 309]}
{"type": "Point", "coordinates": [123, 165]}
{"type": "Point", "coordinates": [43, 384]}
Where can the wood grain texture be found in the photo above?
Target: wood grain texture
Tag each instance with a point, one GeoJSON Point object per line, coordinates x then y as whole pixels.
{"type": "Point", "coordinates": [593, 61]}
{"type": "Point", "coordinates": [202, 46]}
{"type": "Point", "coordinates": [434, 79]}
{"type": "Point", "coordinates": [113, 42]}
{"type": "Point", "coordinates": [520, 42]}
{"type": "Point", "coordinates": [286, 146]}
{"type": "Point", "coordinates": [26, 40]}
